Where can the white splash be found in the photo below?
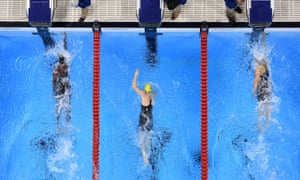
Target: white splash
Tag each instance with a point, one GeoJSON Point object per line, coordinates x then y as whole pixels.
{"type": "Point", "coordinates": [62, 161]}
{"type": "Point", "coordinates": [59, 50]}
{"type": "Point", "coordinates": [259, 159]}
{"type": "Point", "coordinates": [260, 53]}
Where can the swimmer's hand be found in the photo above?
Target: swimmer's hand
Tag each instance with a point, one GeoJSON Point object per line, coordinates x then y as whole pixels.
{"type": "Point", "coordinates": [58, 130]}
{"type": "Point", "coordinates": [136, 73]}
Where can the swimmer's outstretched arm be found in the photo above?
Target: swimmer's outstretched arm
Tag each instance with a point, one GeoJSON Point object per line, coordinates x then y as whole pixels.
{"type": "Point", "coordinates": [134, 86]}
{"type": "Point", "coordinates": [65, 40]}
{"type": "Point", "coordinates": [54, 78]}
{"type": "Point", "coordinates": [255, 82]}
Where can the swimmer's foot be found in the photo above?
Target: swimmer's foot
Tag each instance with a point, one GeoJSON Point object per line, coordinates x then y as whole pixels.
{"type": "Point", "coordinates": [259, 127]}
{"type": "Point", "coordinates": [66, 131]}
{"type": "Point", "coordinates": [146, 161]}
{"type": "Point", "coordinates": [267, 123]}
{"type": "Point", "coordinates": [262, 130]}
{"type": "Point", "coordinates": [58, 130]}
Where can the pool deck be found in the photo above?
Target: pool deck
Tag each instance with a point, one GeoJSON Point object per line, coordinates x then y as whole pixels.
{"type": "Point", "coordinates": [125, 11]}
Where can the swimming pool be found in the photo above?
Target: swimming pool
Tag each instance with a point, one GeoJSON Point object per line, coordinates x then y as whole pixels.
{"type": "Point", "coordinates": [34, 150]}
{"type": "Point", "coordinates": [236, 149]}
{"type": "Point", "coordinates": [30, 147]}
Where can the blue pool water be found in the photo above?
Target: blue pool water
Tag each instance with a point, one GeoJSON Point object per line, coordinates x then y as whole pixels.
{"type": "Point", "coordinates": [30, 148]}
{"type": "Point", "coordinates": [236, 149]}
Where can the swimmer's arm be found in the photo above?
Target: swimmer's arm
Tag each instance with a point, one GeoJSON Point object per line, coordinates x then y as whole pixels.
{"type": "Point", "coordinates": [54, 79]}
{"type": "Point", "coordinates": [65, 40]}
{"type": "Point", "coordinates": [134, 86]}
{"type": "Point", "coordinates": [257, 73]}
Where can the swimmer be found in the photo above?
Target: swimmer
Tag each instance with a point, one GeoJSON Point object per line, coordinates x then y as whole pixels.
{"type": "Point", "coordinates": [263, 91]}
{"type": "Point", "coordinates": [62, 88]}
{"type": "Point", "coordinates": [145, 121]}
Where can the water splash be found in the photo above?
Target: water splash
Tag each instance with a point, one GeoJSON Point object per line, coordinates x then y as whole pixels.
{"type": "Point", "coordinates": [59, 50]}
{"type": "Point", "coordinates": [153, 142]}
{"type": "Point", "coordinates": [261, 52]}
{"type": "Point", "coordinates": [258, 164]}
{"type": "Point", "coordinates": [63, 161]}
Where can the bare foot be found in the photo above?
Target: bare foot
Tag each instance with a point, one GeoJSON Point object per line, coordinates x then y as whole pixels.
{"type": "Point", "coordinates": [176, 12]}
{"type": "Point", "coordinates": [58, 130]}
{"type": "Point", "coordinates": [66, 131]}
{"type": "Point", "coordinates": [146, 161]}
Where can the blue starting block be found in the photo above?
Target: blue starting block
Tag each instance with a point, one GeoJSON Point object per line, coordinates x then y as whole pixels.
{"type": "Point", "coordinates": [150, 12]}
{"type": "Point", "coordinates": [260, 13]}
{"type": "Point", "coordinates": [40, 12]}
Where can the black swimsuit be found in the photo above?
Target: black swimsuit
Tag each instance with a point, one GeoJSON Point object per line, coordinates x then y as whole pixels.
{"type": "Point", "coordinates": [145, 122]}
{"type": "Point", "coordinates": [63, 82]}
{"type": "Point", "coordinates": [263, 91]}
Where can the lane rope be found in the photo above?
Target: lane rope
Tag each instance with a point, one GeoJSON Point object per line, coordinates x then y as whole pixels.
{"type": "Point", "coordinates": [96, 101]}
{"type": "Point", "coordinates": [204, 102]}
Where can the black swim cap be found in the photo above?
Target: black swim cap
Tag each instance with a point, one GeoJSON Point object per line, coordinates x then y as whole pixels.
{"type": "Point", "coordinates": [172, 4]}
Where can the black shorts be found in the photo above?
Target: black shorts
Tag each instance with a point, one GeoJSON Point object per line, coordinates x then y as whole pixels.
{"type": "Point", "coordinates": [61, 88]}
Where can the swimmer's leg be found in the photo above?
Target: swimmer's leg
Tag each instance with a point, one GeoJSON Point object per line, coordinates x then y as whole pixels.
{"type": "Point", "coordinates": [57, 124]}
{"type": "Point", "coordinates": [68, 115]}
{"type": "Point", "coordinates": [58, 113]}
{"type": "Point", "coordinates": [267, 114]}
{"type": "Point", "coordinates": [260, 116]}
{"type": "Point", "coordinates": [146, 161]}
{"type": "Point", "coordinates": [145, 146]}
{"type": "Point", "coordinates": [264, 112]}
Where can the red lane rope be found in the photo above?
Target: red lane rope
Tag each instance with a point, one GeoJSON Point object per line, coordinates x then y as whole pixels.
{"type": "Point", "coordinates": [204, 113]}
{"type": "Point", "coordinates": [96, 102]}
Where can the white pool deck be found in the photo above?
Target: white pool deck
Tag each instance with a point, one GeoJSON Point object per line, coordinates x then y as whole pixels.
{"type": "Point", "coordinates": [125, 11]}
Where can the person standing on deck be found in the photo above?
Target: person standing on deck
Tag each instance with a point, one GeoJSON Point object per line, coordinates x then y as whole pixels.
{"type": "Point", "coordinates": [233, 7]}
{"type": "Point", "coordinates": [175, 7]}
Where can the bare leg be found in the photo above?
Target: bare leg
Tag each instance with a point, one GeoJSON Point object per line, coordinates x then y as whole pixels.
{"type": "Point", "coordinates": [84, 13]}
{"type": "Point", "coordinates": [260, 116]}
{"type": "Point", "coordinates": [230, 15]}
{"type": "Point", "coordinates": [145, 146]}
{"type": "Point", "coordinates": [58, 112]}
{"type": "Point", "coordinates": [263, 38]}
{"type": "Point", "coordinates": [68, 118]}
{"type": "Point", "coordinates": [58, 126]}
{"type": "Point", "coordinates": [176, 12]}
{"type": "Point", "coordinates": [146, 161]}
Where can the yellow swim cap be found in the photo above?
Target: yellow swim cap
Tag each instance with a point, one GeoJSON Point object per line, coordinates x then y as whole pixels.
{"type": "Point", "coordinates": [147, 88]}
